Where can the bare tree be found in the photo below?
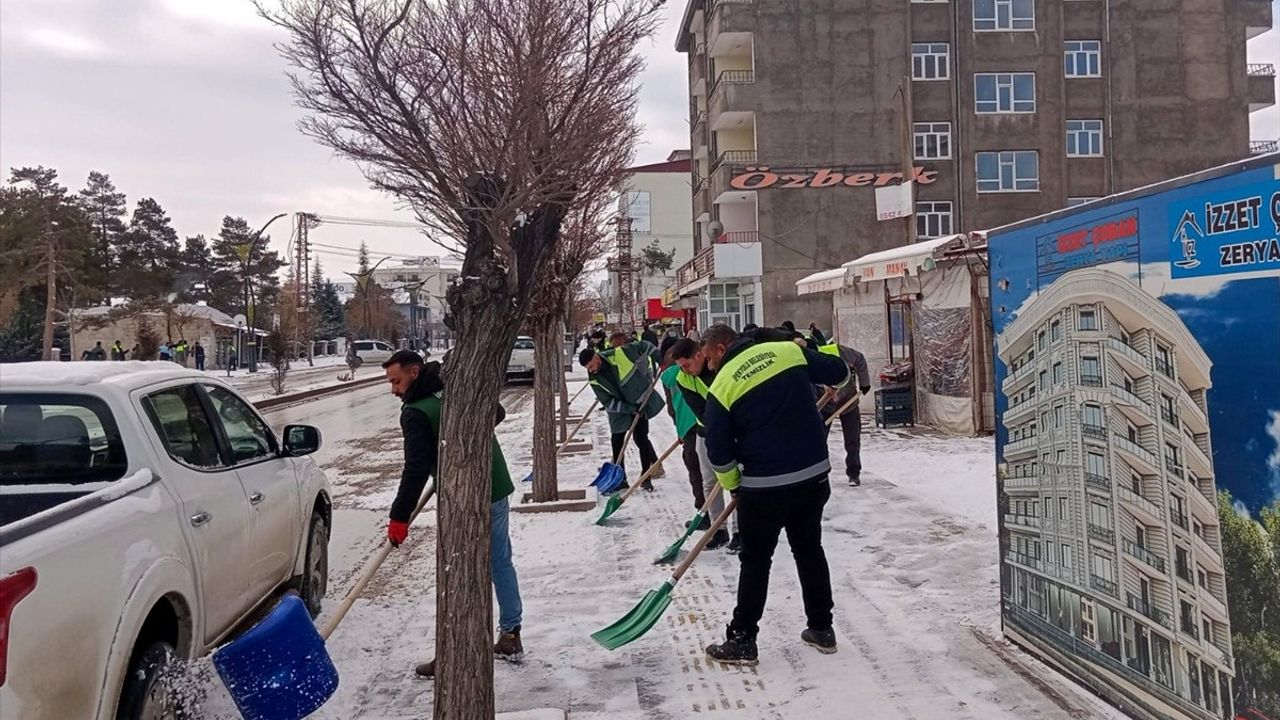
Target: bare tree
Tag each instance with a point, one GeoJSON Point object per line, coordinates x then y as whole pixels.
{"type": "Point", "coordinates": [488, 118]}
{"type": "Point", "coordinates": [582, 241]}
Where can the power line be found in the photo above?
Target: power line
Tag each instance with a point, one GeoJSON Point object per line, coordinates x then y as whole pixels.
{"type": "Point", "coordinates": [368, 222]}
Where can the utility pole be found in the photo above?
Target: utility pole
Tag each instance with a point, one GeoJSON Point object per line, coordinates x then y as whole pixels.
{"type": "Point", "coordinates": [908, 155]}
{"type": "Point", "coordinates": [51, 291]}
{"type": "Point", "coordinates": [246, 251]}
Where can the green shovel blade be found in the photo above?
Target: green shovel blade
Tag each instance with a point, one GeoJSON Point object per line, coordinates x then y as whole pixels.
{"type": "Point", "coordinates": [637, 622]}
{"type": "Point", "coordinates": [611, 507]}
{"type": "Point", "coordinates": [673, 550]}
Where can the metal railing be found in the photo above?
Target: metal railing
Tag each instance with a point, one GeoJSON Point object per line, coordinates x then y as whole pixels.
{"type": "Point", "coordinates": [1130, 496]}
{"type": "Point", "coordinates": [1262, 147]}
{"type": "Point", "coordinates": [1134, 449]}
{"type": "Point", "coordinates": [1183, 571]}
{"type": "Point", "coordinates": [1027, 560]}
{"type": "Point", "coordinates": [1023, 520]}
{"type": "Point", "coordinates": [1260, 70]}
{"type": "Point", "coordinates": [1144, 554]}
{"type": "Point", "coordinates": [1128, 396]}
{"type": "Point", "coordinates": [1128, 351]}
{"type": "Point", "coordinates": [1090, 380]}
{"type": "Point", "coordinates": [1179, 518]}
{"type": "Point", "coordinates": [1102, 534]}
{"type": "Point", "coordinates": [1148, 609]}
{"type": "Point", "coordinates": [736, 157]}
{"type": "Point", "coordinates": [1189, 628]}
{"type": "Point", "coordinates": [1097, 432]}
{"type": "Point", "coordinates": [741, 237]}
{"type": "Point", "coordinates": [731, 77]}
{"type": "Point", "coordinates": [1104, 585]}
{"type": "Point", "coordinates": [1165, 367]}
{"type": "Point", "coordinates": [1172, 466]}
{"type": "Point", "coordinates": [1100, 482]}
{"type": "Point", "coordinates": [1169, 416]}
{"type": "Point", "coordinates": [1022, 445]}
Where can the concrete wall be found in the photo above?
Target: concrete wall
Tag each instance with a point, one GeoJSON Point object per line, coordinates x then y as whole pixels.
{"type": "Point", "coordinates": [669, 213]}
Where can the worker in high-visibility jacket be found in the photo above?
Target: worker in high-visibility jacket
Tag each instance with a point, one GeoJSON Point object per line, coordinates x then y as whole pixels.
{"type": "Point", "coordinates": [850, 419]}
{"type": "Point", "coordinates": [621, 378]}
{"type": "Point", "coordinates": [694, 382]}
{"type": "Point", "coordinates": [768, 446]}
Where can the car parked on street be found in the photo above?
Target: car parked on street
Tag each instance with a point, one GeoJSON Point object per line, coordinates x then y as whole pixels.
{"type": "Point", "coordinates": [520, 366]}
{"type": "Point", "coordinates": [146, 512]}
{"type": "Point", "coordinates": [373, 352]}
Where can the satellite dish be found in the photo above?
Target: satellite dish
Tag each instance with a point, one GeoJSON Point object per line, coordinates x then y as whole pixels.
{"type": "Point", "coordinates": [715, 229]}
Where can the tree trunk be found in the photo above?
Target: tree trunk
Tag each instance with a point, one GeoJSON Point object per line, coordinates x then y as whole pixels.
{"type": "Point", "coordinates": [464, 616]}
{"type": "Point", "coordinates": [545, 483]}
{"type": "Point", "coordinates": [50, 300]}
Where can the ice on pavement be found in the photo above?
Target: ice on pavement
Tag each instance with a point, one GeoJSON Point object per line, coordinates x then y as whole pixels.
{"type": "Point", "coordinates": [913, 556]}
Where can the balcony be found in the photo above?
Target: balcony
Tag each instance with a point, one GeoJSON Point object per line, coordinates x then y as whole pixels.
{"type": "Point", "coordinates": [1199, 461]}
{"type": "Point", "coordinates": [1132, 406]}
{"type": "Point", "coordinates": [1094, 432]}
{"type": "Point", "coordinates": [1104, 585]}
{"type": "Point", "coordinates": [1174, 468]}
{"type": "Point", "coordinates": [1148, 609]}
{"type": "Point", "coordinates": [698, 74]}
{"type": "Point", "coordinates": [1021, 447]}
{"type": "Point", "coordinates": [1015, 379]}
{"type": "Point", "coordinates": [1028, 561]}
{"type": "Point", "coordinates": [731, 26]}
{"type": "Point", "coordinates": [1193, 416]}
{"type": "Point", "coordinates": [1222, 656]}
{"type": "Point", "coordinates": [1014, 484]}
{"type": "Point", "coordinates": [736, 157]}
{"type": "Point", "coordinates": [1179, 518]}
{"type": "Point", "coordinates": [734, 92]}
{"type": "Point", "coordinates": [1090, 380]}
{"type": "Point", "coordinates": [1210, 602]}
{"type": "Point", "coordinates": [1102, 534]}
{"type": "Point", "coordinates": [1020, 413]}
{"type": "Point", "coordinates": [1170, 417]}
{"type": "Point", "coordinates": [720, 260]}
{"type": "Point", "coordinates": [1097, 482]}
{"type": "Point", "coordinates": [1133, 549]}
{"type": "Point", "coordinates": [1262, 86]}
{"type": "Point", "coordinates": [1134, 362]}
{"type": "Point", "coordinates": [1026, 521]}
{"type": "Point", "coordinates": [1142, 459]}
{"type": "Point", "coordinates": [1257, 16]}
{"type": "Point", "coordinates": [1262, 147]}
{"type": "Point", "coordinates": [1143, 508]}
{"type": "Point", "coordinates": [725, 168]}
{"type": "Point", "coordinates": [1206, 554]}
{"type": "Point", "coordinates": [1202, 508]}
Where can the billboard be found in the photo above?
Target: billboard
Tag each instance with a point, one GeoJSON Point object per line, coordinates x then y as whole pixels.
{"type": "Point", "coordinates": [1138, 444]}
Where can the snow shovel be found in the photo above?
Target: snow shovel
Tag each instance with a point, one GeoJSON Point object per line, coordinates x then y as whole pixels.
{"type": "Point", "coordinates": [279, 669]}
{"type": "Point", "coordinates": [673, 550]}
{"type": "Point", "coordinates": [611, 475]}
{"type": "Point", "coordinates": [616, 500]}
{"type": "Point", "coordinates": [647, 612]}
{"type": "Point", "coordinates": [572, 435]}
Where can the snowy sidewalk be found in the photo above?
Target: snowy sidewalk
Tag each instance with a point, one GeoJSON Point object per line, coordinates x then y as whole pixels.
{"type": "Point", "coordinates": [914, 569]}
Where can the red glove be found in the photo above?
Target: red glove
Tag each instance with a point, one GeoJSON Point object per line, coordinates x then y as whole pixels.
{"type": "Point", "coordinates": [397, 532]}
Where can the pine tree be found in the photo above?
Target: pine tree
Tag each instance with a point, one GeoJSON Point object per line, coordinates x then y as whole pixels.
{"type": "Point", "coordinates": [327, 307]}
{"type": "Point", "coordinates": [148, 253]}
{"type": "Point", "coordinates": [106, 209]}
{"type": "Point", "coordinates": [233, 250]}
{"type": "Point", "coordinates": [196, 268]}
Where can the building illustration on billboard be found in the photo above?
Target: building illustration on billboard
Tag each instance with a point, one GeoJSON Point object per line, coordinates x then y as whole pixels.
{"type": "Point", "coordinates": [1137, 345]}
{"type": "Point", "coordinates": [1113, 550]}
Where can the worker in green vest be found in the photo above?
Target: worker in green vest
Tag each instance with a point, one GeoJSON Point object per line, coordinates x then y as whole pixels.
{"type": "Point", "coordinates": [419, 386]}
{"type": "Point", "coordinates": [621, 377]}
{"type": "Point", "coordinates": [850, 419]}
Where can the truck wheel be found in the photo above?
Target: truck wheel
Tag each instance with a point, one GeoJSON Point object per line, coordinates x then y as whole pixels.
{"type": "Point", "coordinates": [148, 693]}
{"type": "Point", "coordinates": [315, 573]}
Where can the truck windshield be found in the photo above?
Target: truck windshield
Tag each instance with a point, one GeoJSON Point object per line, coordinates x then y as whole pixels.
{"type": "Point", "coordinates": [58, 439]}
{"type": "Point", "coordinates": [523, 344]}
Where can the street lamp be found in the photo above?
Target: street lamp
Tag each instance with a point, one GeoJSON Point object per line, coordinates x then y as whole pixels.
{"type": "Point", "coordinates": [245, 251]}
{"type": "Point", "coordinates": [362, 284]}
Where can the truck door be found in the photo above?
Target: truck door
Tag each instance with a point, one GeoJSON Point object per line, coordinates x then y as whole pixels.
{"type": "Point", "coordinates": [271, 483]}
{"type": "Point", "coordinates": [215, 507]}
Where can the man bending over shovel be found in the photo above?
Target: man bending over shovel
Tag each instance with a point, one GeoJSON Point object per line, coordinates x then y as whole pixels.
{"type": "Point", "coordinates": [419, 385]}
{"type": "Point", "coordinates": [620, 377]}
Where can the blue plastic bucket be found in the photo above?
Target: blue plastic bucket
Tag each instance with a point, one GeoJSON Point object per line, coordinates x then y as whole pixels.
{"type": "Point", "coordinates": [279, 669]}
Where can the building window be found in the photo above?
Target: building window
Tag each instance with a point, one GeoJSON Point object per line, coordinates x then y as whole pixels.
{"type": "Point", "coordinates": [1055, 331]}
{"type": "Point", "coordinates": [1040, 340]}
{"type": "Point", "coordinates": [1090, 372]}
{"type": "Point", "coordinates": [1066, 556]}
{"type": "Point", "coordinates": [1084, 138]}
{"type": "Point", "coordinates": [1017, 171]}
{"type": "Point", "coordinates": [1057, 416]}
{"type": "Point", "coordinates": [1062, 508]}
{"type": "Point", "coordinates": [930, 61]}
{"type": "Point", "coordinates": [1057, 373]}
{"type": "Point", "coordinates": [1083, 58]}
{"type": "Point", "coordinates": [1093, 418]}
{"type": "Point", "coordinates": [1074, 201]}
{"type": "Point", "coordinates": [1088, 320]}
{"type": "Point", "coordinates": [1004, 15]}
{"type": "Point", "coordinates": [1004, 93]}
{"type": "Point", "coordinates": [933, 140]}
{"type": "Point", "coordinates": [724, 305]}
{"type": "Point", "coordinates": [933, 219]}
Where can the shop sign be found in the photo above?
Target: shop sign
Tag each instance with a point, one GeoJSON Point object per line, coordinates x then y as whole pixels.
{"type": "Point", "coordinates": [762, 178]}
{"type": "Point", "coordinates": [1232, 232]}
{"type": "Point", "coordinates": [1111, 239]}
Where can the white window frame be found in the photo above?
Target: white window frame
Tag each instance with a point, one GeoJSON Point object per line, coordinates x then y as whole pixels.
{"type": "Point", "coordinates": [931, 140]}
{"type": "Point", "coordinates": [1090, 132]}
{"type": "Point", "coordinates": [1007, 159]}
{"type": "Point", "coordinates": [926, 55]}
{"type": "Point", "coordinates": [931, 216]}
{"type": "Point", "coordinates": [1005, 85]}
{"type": "Point", "coordinates": [1088, 52]}
{"type": "Point", "coordinates": [1074, 201]}
{"type": "Point", "coordinates": [1012, 23]}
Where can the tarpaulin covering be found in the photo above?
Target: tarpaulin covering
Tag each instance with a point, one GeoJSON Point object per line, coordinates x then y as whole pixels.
{"type": "Point", "coordinates": [943, 336]}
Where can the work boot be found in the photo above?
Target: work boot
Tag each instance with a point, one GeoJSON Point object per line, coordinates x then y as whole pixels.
{"type": "Point", "coordinates": [735, 544]}
{"type": "Point", "coordinates": [824, 640]}
{"type": "Point", "coordinates": [647, 486]}
{"type": "Point", "coordinates": [508, 646]}
{"type": "Point", "coordinates": [719, 540]}
{"type": "Point", "coordinates": [703, 524]}
{"type": "Point", "coordinates": [737, 649]}
{"type": "Point", "coordinates": [426, 669]}
{"type": "Point", "coordinates": [855, 481]}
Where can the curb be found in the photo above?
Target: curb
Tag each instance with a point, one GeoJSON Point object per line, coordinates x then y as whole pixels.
{"type": "Point", "coordinates": [282, 400]}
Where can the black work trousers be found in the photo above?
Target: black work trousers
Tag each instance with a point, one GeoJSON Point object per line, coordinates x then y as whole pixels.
{"type": "Point", "coordinates": [689, 453]}
{"type": "Point", "coordinates": [648, 456]}
{"type": "Point", "coordinates": [762, 516]}
{"type": "Point", "coordinates": [851, 427]}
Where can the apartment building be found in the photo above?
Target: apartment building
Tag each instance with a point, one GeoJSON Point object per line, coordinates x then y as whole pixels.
{"type": "Point", "coordinates": [1111, 545]}
{"type": "Point", "coordinates": [1017, 108]}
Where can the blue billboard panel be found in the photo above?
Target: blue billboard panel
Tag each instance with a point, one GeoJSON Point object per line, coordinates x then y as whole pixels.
{"type": "Point", "coordinates": [1235, 230]}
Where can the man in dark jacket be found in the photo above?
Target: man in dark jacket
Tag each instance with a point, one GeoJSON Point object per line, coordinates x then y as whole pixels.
{"type": "Point", "coordinates": [694, 380]}
{"type": "Point", "coordinates": [117, 351]}
{"type": "Point", "coordinates": [768, 446]}
{"type": "Point", "coordinates": [851, 419]}
{"type": "Point", "coordinates": [419, 386]}
{"type": "Point", "coordinates": [199, 350]}
{"type": "Point", "coordinates": [620, 377]}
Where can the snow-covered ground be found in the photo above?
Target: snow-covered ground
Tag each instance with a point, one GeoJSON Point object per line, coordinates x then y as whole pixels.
{"type": "Point", "coordinates": [300, 378]}
{"type": "Point", "coordinates": [914, 569]}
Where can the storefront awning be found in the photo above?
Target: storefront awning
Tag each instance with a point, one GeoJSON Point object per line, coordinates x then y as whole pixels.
{"type": "Point", "coordinates": [899, 261]}
{"type": "Point", "coordinates": [820, 282]}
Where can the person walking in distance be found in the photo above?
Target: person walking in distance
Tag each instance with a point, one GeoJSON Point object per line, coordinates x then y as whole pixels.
{"type": "Point", "coordinates": [767, 445]}
{"type": "Point", "coordinates": [199, 352]}
{"type": "Point", "coordinates": [621, 377]}
{"type": "Point", "coordinates": [851, 419]}
{"type": "Point", "coordinates": [694, 380]}
{"type": "Point", "coordinates": [420, 388]}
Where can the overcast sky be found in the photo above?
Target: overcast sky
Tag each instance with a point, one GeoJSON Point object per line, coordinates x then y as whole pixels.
{"type": "Point", "coordinates": [186, 101]}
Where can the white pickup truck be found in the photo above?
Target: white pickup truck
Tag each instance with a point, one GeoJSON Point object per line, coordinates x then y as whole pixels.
{"type": "Point", "coordinates": [520, 366]}
{"type": "Point", "coordinates": [145, 512]}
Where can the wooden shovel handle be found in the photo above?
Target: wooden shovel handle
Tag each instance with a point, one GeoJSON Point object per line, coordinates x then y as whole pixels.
{"type": "Point", "coordinates": [576, 428]}
{"type": "Point", "coordinates": [706, 536]}
{"type": "Point", "coordinates": [826, 397]}
{"type": "Point", "coordinates": [848, 404]}
{"type": "Point", "coordinates": [644, 400]}
{"type": "Point", "coordinates": [370, 567]}
{"type": "Point", "coordinates": [575, 395]}
{"type": "Point", "coordinates": [651, 470]}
